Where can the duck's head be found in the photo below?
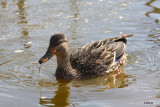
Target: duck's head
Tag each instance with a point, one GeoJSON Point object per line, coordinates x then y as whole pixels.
{"type": "Point", "coordinates": [56, 47]}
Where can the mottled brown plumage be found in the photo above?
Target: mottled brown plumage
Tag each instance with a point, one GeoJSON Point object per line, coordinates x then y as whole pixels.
{"type": "Point", "coordinates": [91, 60]}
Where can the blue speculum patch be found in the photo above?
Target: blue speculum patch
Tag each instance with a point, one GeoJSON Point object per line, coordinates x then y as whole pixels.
{"type": "Point", "coordinates": [119, 58]}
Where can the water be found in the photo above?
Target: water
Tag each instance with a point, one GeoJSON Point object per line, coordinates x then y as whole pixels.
{"type": "Point", "coordinates": [25, 29]}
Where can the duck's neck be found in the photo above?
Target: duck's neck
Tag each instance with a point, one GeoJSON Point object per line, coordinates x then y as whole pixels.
{"type": "Point", "coordinates": [64, 69]}
{"type": "Point", "coordinates": [63, 60]}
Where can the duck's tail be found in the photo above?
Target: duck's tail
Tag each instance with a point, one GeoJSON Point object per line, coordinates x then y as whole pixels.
{"type": "Point", "coordinates": [125, 35]}
{"type": "Point", "coordinates": [124, 38]}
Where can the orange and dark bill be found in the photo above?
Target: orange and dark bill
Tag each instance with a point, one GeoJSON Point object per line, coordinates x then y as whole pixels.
{"type": "Point", "coordinates": [47, 56]}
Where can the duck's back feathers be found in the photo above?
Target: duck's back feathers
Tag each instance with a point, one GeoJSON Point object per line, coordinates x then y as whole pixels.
{"type": "Point", "coordinates": [98, 57]}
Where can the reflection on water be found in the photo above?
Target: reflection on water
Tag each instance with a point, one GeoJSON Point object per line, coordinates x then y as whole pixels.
{"type": "Point", "coordinates": [155, 11]}
{"type": "Point", "coordinates": [22, 17]}
{"type": "Point", "coordinates": [112, 80]}
{"type": "Point", "coordinates": [62, 94]}
{"type": "Point", "coordinates": [117, 81]}
{"type": "Point", "coordinates": [155, 38]}
{"type": "Point", "coordinates": [4, 4]}
{"type": "Point", "coordinates": [22, 14]}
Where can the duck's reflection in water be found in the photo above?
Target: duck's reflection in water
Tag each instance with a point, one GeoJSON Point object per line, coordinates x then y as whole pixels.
{"type": "Point", "coordinates": [61, 98]}
{"type": "Point", "coordinates": [117, 79]}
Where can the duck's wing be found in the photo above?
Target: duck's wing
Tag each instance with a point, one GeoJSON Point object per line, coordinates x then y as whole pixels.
{"type": "Point", "coordinates": [86, 49]}
{"type": "Point", "coordinates": [97, 57]}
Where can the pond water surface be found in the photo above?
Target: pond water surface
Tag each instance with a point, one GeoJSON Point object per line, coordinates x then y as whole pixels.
{"type": "Point", "coordinates": [25, 30]}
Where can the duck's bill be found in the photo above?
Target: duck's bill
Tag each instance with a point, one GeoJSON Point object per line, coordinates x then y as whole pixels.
{"type": "Point", "coordinates": [46, 57]}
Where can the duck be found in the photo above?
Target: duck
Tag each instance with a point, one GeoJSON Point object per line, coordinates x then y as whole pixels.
{"type": "Point", "coordinates": [91, 60]}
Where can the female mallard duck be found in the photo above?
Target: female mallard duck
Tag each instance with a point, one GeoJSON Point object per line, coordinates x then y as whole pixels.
{"type": "Point", "coordinates": [91, 60]}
